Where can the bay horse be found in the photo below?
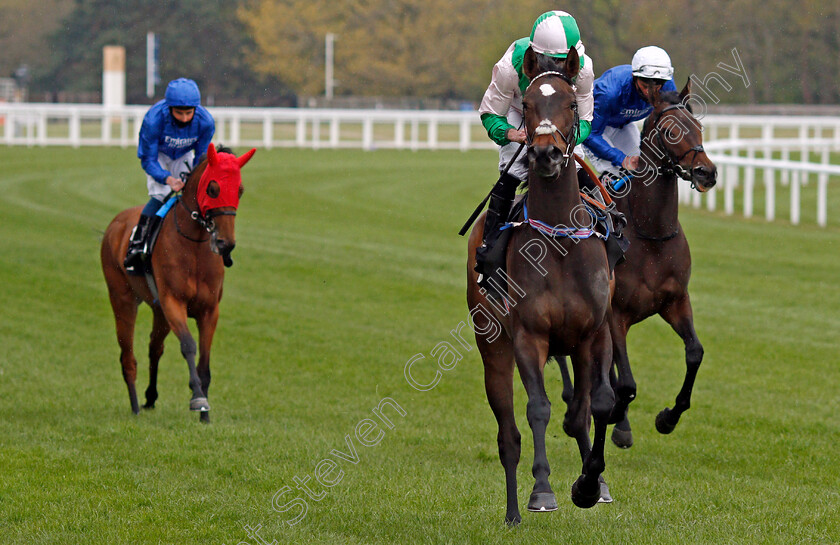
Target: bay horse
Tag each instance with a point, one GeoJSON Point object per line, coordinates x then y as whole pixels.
{"type": "Point", "coordinates": [556, 305]}
{"type": "Point", "coordinates": [654, 277]}
{"type": "Point", "coordinates": [188, 265]}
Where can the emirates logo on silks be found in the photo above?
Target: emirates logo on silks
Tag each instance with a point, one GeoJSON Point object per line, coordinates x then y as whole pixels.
{"type": "Point", "coordinates": [219, 185]}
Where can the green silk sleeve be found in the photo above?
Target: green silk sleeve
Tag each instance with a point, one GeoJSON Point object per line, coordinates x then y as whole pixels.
{"type": "Point", "coordinates": [497, 127]}
{"type": "Point", "coordinates": [584, 128]}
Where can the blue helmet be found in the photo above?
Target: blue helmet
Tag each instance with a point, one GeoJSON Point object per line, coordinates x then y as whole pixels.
{"type": "Point", "coordinates": [183, 93]}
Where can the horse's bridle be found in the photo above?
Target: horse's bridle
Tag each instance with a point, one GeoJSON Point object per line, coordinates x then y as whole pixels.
{"type": "Point", "coordinates": [672, 163]}
{"type": "Point", "coordinates": [205, 221]}
{"type": "Point", "coordinates": [547, 127]}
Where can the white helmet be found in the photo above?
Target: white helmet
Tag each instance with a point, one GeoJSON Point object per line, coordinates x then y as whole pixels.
{"type": "Point", "coordinates": [652, 62]}
{"type": "Point", "coordinates": [554, 33]}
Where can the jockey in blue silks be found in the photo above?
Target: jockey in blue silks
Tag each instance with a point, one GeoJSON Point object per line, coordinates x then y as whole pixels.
{"type": "Point", "coordinates": [175, 131]}
{"type": "Point", "coordinates": [623, 95]}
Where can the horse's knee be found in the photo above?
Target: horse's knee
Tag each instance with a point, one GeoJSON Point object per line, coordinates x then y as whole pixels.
{"type": "Point", "coordinates": [603, 401]}
{"type": "Point", "coordinates": [538, 411]}
{"type": "Point", "coordinates": [574, 422]}
{"type": "Point", "coordinates": [188, 347]}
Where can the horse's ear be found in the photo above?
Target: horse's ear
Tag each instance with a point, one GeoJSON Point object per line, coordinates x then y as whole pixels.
{"type": "Point", "coordinates": [211, 155]}
{"type": "Point", "coordinates": [572, 66]}
{"type": "Point", "coordinates": [656, 99]}
{"type": "Point", "coordinates": [245, 157]}
{"type": "Point", "coordinates": [685, 95]}
{"type": "Point", "coordinates": [530, 66]}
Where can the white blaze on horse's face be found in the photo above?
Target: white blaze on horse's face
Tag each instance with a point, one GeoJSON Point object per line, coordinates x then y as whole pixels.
{"type": "Point", "coordinates": [546, 127]}
{"type": "Point", "coordinates": [547, 90]}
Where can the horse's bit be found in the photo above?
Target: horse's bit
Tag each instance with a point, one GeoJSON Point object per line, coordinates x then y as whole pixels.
{"type": "Point", "coordinates": [205, 221]}
{"type": "Point", "coordinates": [673, 162]}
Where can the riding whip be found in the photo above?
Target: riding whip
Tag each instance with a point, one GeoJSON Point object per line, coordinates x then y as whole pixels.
{"type": "Point", "coordinates": [480, 206]}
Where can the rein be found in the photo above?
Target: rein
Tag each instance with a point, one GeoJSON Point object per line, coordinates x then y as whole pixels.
{"type": "Point", "coordinates": [547, 127]}
{"type": "Point", "coordinates": [206, 222]}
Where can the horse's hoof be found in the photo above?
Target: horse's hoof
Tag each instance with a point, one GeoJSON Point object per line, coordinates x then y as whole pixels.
{"type": "Point", "coordinates": [149, 406]}
{"type": "Point", "coordinates": [513, 521]}
{"type": "Point", "coordinates": [622, 438]}
{"type": "Point", "coordinates": [204, 417]}
{"type": "Point", "coordinates": [605, 491]}
{"type": "Point", "coordinates": [662, 425]}
{"type": "Point", "coordinates": [199, 404]}
{"type": "Point", "coordinates": [542, 502]}
{"type": "Point", "coordinates": [585, 496]}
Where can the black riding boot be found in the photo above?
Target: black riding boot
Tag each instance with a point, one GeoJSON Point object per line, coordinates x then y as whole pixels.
{"type": "Point", "coordinates": [137, 245]}
{"type": "Point", "coordinates": [487, 262]}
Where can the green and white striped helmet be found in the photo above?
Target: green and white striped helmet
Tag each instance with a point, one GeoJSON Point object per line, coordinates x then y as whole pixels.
{"type": "Point", "coordinates": [554, 33]}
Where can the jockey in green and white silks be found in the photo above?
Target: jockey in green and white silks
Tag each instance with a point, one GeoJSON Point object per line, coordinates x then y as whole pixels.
{"type": "Point", "coordinates": [553, 34]}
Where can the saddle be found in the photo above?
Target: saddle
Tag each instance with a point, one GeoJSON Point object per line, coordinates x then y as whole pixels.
{"type": "Point", "coordinates": [153, 236]}
{"type": "Point", "coordinates": [146, 271]}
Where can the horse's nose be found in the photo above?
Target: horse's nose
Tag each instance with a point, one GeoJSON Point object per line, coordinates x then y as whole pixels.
{"type": "Point", "coordinates": [545, 158]}
{"type": "Point", "coordinates": [225, 247]}
{"type": "Point", "coordinates": [706, 175]}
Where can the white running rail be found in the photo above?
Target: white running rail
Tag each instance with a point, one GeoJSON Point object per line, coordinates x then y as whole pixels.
{"type": "Point", "coordinates": [778, 151]}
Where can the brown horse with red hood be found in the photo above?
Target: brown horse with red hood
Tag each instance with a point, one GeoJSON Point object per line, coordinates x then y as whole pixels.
{"type": "Point", "coordinates": [185, 274]}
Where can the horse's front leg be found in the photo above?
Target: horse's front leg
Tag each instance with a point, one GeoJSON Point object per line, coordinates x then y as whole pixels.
{"type": "Point", "coordinates": [680, 316]}
{"type": "Point", "coordinates": [206, 328]}
{"type": "Point", "coordinates": [531, 355]}
{"type": "Point", "coordinates": [625, 385]}
{"type": "Point", "coordinates": [176, 315]}
{"type": "Point", "coordinates": [498, 383]}
{"type": "Point", "coordinates": [592, 363]}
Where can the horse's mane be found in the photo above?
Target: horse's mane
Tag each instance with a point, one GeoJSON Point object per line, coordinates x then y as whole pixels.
{"type": "Point", "coordinates": [220, 148]}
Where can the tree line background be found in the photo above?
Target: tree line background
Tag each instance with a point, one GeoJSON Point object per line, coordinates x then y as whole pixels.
{"type": "Point", "coordinates": [271, 52]}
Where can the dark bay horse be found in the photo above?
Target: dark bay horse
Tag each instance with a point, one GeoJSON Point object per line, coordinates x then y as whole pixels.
{"type": "Point", "coordinates": [559, 294]}
{"type": "Point", "coordinates": [192, 249]}
{"type": "Point", "coordinates": [654, 277]}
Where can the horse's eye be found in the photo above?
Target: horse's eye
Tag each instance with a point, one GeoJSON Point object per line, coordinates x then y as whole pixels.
{"type": "Point", "coordinates": [213, 189]}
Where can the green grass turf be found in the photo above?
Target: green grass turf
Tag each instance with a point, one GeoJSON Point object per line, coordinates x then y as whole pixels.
{"type": "Point", "coordinates": [347, 265]}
